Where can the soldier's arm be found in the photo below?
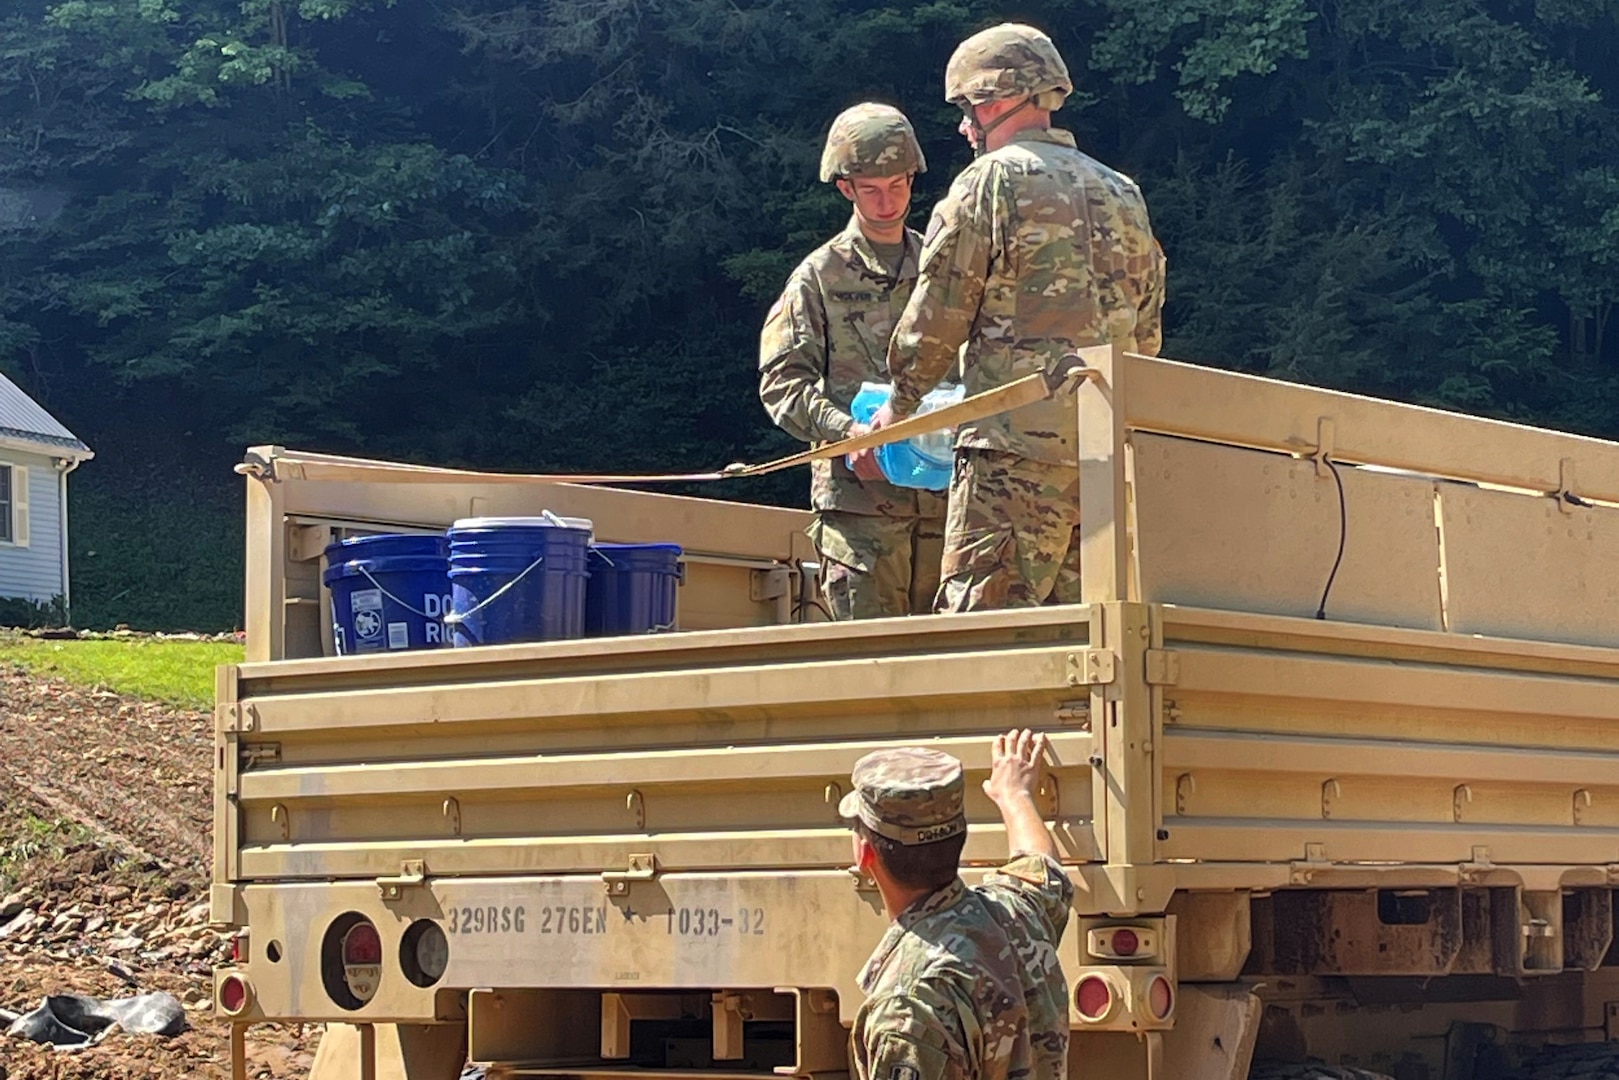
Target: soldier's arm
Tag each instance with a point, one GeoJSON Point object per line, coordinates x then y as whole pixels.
{"type": "Point", "coordinates": [1033, 882]}
{"type": "Point", "coordinates": [792, 363]}
{"type": "Point", "coordinates": [914, 1036]}
{"type": "Point", "coordinates": [953, 268]}
{"type": "Point", "coordinates": [1037, 889]}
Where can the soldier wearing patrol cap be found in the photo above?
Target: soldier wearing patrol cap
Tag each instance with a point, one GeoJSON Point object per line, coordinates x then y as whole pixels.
{"type": "Point", "coordinates": [966, 984]}
{"type": "Point", "coordinates": [1036, 250]}
{"type": "Point", "coordinates": [828, 333]}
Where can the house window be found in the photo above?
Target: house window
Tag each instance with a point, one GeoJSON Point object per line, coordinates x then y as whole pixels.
{"type": "Point", "coordinates": [6, 505]}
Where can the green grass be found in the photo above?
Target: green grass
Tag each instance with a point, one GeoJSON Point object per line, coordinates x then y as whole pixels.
{"type": "Point", "coordinates": [178, 672]}
{"type": "Point", "coordinates": [32, 837]}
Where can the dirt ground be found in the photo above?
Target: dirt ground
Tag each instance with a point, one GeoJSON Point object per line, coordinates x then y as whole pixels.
{"type": "Point", "coordinates": [105, 811]}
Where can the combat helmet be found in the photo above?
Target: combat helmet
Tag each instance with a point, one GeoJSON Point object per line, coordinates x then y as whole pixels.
{"type": "Point", "coordinates": [871, 140]}
{"type": "Point", "coordinates": [1007, 61]}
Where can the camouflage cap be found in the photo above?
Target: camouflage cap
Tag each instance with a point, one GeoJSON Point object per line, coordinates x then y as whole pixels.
{"type": "Point", "coordinates": [1006, 61]}
{"type": "Point", "coordinates": [871, 140]}
{"type": "Point", "coordinates": [910, 795]}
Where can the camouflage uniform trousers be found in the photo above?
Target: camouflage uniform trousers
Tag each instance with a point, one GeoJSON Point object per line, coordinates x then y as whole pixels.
{"type": "Point", "coordinates": [1011, 533]}
{"type": "Point", "coordinates": [873, 566]}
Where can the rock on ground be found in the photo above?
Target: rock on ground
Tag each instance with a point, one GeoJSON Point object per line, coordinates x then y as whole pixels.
{"type": "Point", "coordinates": [105, 819]}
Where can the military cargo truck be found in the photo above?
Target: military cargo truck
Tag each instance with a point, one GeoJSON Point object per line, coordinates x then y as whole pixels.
{"type": "Point", "coordinates": [1334, 765]}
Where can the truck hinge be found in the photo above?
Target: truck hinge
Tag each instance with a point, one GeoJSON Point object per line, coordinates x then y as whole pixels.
{"type": "Point", "coordinates": [641, 868]}
{"type": "Point", "coordinates": [260, 754]}
{"type": "Point", "coordinates": [1163, 667]}
{"type": "Point", "coordinates": [222, 909]}
{"type": "Point", "coordinates": [306, 543]}
{"type": "Point", "coordinates": [1479, 866]}
{"type": "Point", "coordinates": [1325, 442]}
{"type": "Point", "coordinates": [1315, 860]}
{"type": "Point", "coordinates": [771, 584]}
{"type": "Point", "coordinates": [243, 718]}
{"type": "Point", "coordinates": [412, 872]}
{"type": "Point", "coordinates": [1566, 499]}
{"type": "Point", "coordinates": [1091, 667]}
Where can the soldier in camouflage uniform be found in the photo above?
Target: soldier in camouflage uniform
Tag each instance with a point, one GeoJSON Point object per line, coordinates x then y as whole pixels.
{"type": "Point", "coordinates": [1036, 250]}
{"type": "Point", "coordinates": [879, 544]}
{"type": "Point", "coordinates": [966, 984]}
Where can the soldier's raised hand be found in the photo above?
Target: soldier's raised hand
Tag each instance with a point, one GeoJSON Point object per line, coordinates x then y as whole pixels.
{"type": "Point", "coordinates": [1015, 765]}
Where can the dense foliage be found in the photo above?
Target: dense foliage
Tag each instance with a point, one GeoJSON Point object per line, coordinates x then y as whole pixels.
{"type": "Point", "coordinates": [542, 233]}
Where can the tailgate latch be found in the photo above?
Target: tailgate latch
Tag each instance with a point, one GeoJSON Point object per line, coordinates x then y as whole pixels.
{"type": "Point", "coordinates": [412, 872]}
{"type": "Point", "coordinates": [641, 868]}
{"type": "Point", "coordinates": [260, 754]}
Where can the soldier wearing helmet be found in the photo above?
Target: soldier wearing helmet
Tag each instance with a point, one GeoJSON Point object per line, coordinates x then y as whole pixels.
{"type": "Point", "coordinates": [966, 984]}
{"type": "Point", "coordinates": [1036, 250]}
{"type": "Point", "coordinates": [827, 334]}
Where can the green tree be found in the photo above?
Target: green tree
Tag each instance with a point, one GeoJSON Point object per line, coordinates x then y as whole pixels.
{"type": "Point", "coordinates": [542, 234]}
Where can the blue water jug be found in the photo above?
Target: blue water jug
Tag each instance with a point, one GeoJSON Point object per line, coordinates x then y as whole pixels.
{"type": "Point", "coordinates": [922, 461]}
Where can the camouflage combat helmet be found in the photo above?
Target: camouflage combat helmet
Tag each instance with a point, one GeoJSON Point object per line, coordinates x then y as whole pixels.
{"type": "Point", "coordinates": [910, 794]}
{"type": "Point", "coordinates": [1007, 61]}
{"type": "Point", "coordinates": [871, 140]}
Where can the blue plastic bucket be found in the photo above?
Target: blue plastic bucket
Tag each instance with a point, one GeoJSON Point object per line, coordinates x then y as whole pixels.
{"type": "Point", "coordinates": [389, 592]}
{"type": "Point", "coordinates": [632, 589]}
{"type": "Point", "coordinates": [517, 579]}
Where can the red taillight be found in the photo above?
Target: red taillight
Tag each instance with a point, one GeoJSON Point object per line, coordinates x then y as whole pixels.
{"type": "Point", "coordinates": [362, 944]}
{"type": "Point", "coordinates": [233, 994]}
{"type": "Point", "coordinates": [1129, 944]}
{"type": "Point", "coordinates": [1160, 998]}
{"type": "Point", "coordinates": [1094, 997]}
{"type": "Point", "coordinates": [238, 949]}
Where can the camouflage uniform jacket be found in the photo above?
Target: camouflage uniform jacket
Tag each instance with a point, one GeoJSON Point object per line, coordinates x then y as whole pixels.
{"type": "Point", "coordinates": [827, 334]}
{"type": "Point", "coordinates": [1037, 249]}
{"type": "Point", "coordinates": [966, 984]}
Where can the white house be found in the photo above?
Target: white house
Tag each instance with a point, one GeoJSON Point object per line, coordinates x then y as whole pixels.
{"type": "Point", "coordinates": [36, 455]}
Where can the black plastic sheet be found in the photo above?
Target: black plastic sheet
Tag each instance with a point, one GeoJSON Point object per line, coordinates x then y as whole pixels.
{"type": "Point", "coordinates": [72, 1020]}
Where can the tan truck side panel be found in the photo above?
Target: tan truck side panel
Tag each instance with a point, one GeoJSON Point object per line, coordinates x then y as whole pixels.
{"type": "Point", "coordinates": [1244, 410]}
{"type": "Point", "coordinates": [728, 763]}
{"type": "Point", "coordinates": [1416, 755]}
{"type": "Point", "coordinates": [1239, 529]}
{"type": "Point", "coordinates": [1229, 528]}
{"type": "Point", "coordinates": [1521, 567]}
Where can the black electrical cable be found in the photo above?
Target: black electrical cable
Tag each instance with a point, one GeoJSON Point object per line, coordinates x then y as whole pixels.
{"type": "Point", "coordinates": [805, 599]}
{"type": "Point", "coordinates": [800, 607]}
{"type": "Point", "coordinates": [1343, 536]}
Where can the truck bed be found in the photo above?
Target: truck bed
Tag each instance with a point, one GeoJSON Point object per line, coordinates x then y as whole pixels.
{"type": "Point", "coordinates": [1342, 703]}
